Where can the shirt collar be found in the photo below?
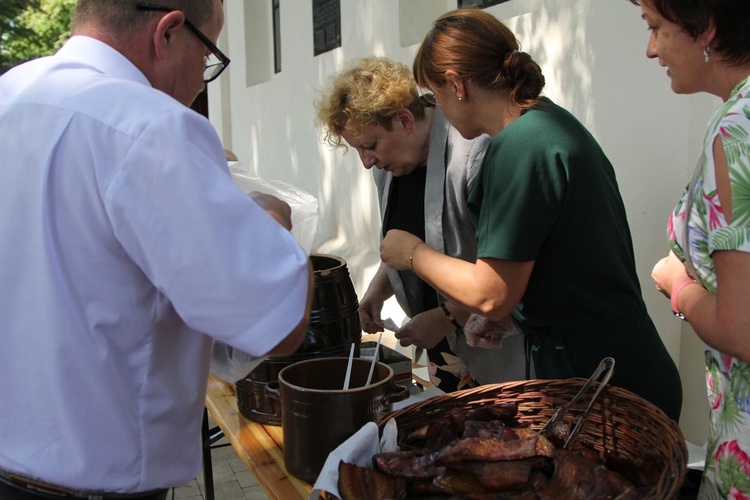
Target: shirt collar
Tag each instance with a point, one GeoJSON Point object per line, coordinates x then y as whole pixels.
{"type": "Point", "coordinates": [102, 57]}
{"type": "Point", "coordinates": [740, 90]}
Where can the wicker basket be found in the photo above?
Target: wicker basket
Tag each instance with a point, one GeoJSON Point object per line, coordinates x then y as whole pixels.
{"type": "Point", "coordinates": [621, 426]}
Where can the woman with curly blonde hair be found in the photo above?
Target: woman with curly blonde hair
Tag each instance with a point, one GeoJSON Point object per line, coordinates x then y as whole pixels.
{"type": "Point", "coordinates": [423, 172]}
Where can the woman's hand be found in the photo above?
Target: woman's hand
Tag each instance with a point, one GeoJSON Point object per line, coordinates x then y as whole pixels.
{"type": "Point", "coordinates": [667, 272]}
{"type": "Point", "coordinates": [371, 305]}
{"type": "Point", "coordinates": [370, 308]}
{"type": "Point", "coordinates": [481, 331]}
{"type": "Point", "coordinates": [398, 247]}
{"type": "Point", "coordinates": [425, 330]}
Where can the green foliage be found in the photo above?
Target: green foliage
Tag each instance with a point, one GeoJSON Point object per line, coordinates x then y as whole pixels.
{"type": "Point", "coordinates": [9, 10]}
{"type": "Point", "coordinates": [9, 28]}
{"type": "Point", "coordinates": [32, 28]}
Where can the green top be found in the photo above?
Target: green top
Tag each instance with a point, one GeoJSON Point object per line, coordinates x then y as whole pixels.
{"type": "Point", "coordinates": [548, 193]}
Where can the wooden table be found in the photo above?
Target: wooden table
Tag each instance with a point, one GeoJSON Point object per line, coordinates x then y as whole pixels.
{"type": "Point", "coordinates": [260, 446]}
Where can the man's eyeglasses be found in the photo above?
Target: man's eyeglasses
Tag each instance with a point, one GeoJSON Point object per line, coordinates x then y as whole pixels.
{"type": "Point", "coordinates": [215, 63]}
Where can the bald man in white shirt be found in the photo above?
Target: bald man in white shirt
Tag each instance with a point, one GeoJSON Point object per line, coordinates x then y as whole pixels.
{"type": "Point", "coordinates": [126, 249]}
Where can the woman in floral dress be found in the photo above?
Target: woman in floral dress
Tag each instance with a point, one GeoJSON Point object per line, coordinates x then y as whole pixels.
{"type": "Point", "coordinates": [705, 45]}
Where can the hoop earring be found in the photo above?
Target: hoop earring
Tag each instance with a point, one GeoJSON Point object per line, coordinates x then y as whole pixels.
{"type": "Point", "coordinates": [705, 54]}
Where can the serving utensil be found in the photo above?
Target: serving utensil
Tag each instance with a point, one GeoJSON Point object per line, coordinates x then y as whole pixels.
{"type": "Point", "coordinates": [349, 368]}
{"type": "Point", "coordinates": [606, 366]}
{"type": "Point", "coordinates": [374, 359]}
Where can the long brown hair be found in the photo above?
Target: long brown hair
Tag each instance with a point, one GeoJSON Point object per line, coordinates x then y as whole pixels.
{"type": "Point", "coordinates": [480, 49]}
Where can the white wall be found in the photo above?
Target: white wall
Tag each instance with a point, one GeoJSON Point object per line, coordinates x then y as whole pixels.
{"type": "Point", "coordinates": [593, 56]}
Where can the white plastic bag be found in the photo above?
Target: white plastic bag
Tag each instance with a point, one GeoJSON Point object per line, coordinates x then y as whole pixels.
{"type": "Point", "coordinates": [304, 205]}
{"type": "Point", "coordinates": [227, 362]}
{"type": "Point", "coordinates": [232, 364]}
{"type": "Point", "coordinates": [481, 331]}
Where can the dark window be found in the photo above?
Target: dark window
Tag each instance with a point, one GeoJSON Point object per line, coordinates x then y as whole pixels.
{"type": "Point", "coordinates": [478, 3]}
{"type": "Point", "coordinates": [326, 25]}
{"type": "Point", "coordinates": [276, 9]}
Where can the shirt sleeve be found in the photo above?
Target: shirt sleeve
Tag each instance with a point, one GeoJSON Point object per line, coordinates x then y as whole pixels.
{"type": "Point", "coordinates": [226, 266]}
{"type": "Point", "coordinates": [735, 136]}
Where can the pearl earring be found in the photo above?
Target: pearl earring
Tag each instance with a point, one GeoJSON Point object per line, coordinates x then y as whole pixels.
{"type": "Point", "coordinates": [705, 54]}
{"type": "Point", "coordinates": [459, 98]}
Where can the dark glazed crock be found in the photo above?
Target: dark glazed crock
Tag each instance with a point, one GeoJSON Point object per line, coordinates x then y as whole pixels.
{"type": "Point", "coordinates": [317, 415]}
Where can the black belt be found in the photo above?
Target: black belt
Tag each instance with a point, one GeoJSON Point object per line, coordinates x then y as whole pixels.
{"type": "Point", "coordinates": [17, 487]}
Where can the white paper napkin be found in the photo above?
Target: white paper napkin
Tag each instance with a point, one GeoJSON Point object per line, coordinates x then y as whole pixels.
{"type": "Point", "coordinates": [358, 450]}
{"type": "Point", "coordinates": [389, 324]}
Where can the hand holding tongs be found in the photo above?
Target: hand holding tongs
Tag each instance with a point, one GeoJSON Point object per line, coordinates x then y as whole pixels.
{"type": "Point", "coordinates": [607, 365]}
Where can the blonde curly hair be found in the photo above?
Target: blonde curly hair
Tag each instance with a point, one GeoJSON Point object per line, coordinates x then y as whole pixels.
{"type": "Point", "coordinates": [368, 92]}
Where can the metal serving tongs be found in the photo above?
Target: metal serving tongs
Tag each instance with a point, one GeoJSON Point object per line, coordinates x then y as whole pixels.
{"type": "Point", "coordinates": [607, 366]}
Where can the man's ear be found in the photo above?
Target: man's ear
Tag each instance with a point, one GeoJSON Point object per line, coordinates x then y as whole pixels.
{"type": "Point", "coordinates": [404, 119]}
{"type": "Point", "coordinates": [164, 34]}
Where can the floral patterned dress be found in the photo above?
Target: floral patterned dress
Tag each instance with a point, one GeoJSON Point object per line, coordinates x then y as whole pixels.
{"type": "Point", "coordinates": [727, 472]}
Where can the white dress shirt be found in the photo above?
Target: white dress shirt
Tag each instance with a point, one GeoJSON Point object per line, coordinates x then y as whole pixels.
{"type": "Point", "coordinates": [124, 243]}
